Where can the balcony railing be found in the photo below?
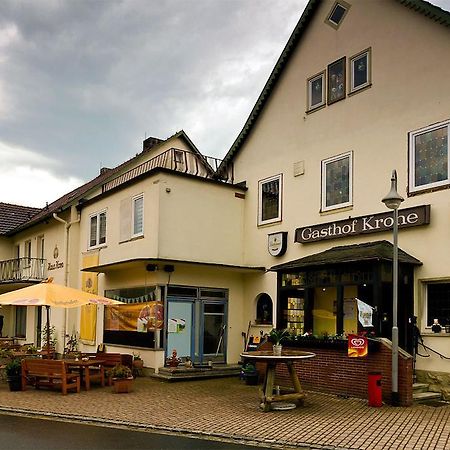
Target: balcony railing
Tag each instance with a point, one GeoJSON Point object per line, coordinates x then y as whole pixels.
{"type": "Point", "coordinates": [23, 269]}
{"type": "Point", "coordinates": [173, 159]}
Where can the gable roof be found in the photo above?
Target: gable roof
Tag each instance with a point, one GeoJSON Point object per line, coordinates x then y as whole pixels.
{"type": "Point", "coordinates": [77, 194]}
{"type": "Point", "coordinates": [369, 251]}
{"type": "Point", "coordinates": [435, 13]}
{"type": "Point", "coordinates": [11, 216]}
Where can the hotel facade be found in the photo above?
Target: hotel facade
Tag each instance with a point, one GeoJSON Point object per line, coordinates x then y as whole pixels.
{"type": "Point", "coordinates": [289, 229]}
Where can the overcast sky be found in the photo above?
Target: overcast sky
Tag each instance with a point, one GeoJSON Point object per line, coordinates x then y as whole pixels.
{"type": "Point", "coordinates": [83, 82]}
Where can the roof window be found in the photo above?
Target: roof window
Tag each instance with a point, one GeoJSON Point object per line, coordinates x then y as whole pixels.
{"type": "Point", "coordinates": [337, 14]}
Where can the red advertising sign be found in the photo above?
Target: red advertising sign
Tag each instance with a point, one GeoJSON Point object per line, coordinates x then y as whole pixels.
{"type": "Point", "coordinates": [357, 346]}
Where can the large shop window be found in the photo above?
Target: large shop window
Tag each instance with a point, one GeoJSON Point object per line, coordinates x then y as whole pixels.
{"type": "Point", "coordinates": [138, 215]}
{"type": "Point", "coordinates": [429, 157]}
{"type": "Point", "coordinates": [438, 303]}
{"type": "Point", "coordinates": [337, 182]}
{"type": "Point", "coordinates": [97, 229]}
{"type": "Point", "coordinates": [138, 322]}
{"type": "Point", "coordinates": [269, 200]}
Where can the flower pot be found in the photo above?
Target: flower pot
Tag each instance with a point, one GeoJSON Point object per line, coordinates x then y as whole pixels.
{"type": "Point", "coordinates": [251, 378]}
{"type": "Point", "coordinates": [277, 349]}
{"type": "Point", "coordinates": [138, 364]}
{"type": "Point", "coordinates": [14, 382]}
{"type": "Point", "coordinates": [122, 385]}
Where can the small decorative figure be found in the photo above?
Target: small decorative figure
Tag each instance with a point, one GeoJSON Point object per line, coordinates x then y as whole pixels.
{"type": "Point", "coordinates": [188, 363]}
{"type": "Point", "coordinates": [173, 360]}
{"type": "Point", "coordinates": [436, 327]}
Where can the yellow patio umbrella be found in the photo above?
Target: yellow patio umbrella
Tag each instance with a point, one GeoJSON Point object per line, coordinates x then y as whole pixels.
{"type": "Point", "coordinates": [49, 294]}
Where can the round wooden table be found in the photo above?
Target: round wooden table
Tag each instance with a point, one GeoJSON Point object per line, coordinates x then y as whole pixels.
{"type": "Point", "coordinates": [287, 357]}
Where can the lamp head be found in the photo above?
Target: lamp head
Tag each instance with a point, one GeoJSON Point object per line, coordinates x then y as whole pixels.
{"type": "Point", "coordinates": [393, 199]}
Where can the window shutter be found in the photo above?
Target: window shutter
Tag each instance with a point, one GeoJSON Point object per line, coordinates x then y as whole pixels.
{"type": "Point", "coordinates": [125, 220]}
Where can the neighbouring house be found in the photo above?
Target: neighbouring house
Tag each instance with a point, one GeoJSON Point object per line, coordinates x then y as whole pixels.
{"type": "Point", "coordinates": [289, 229]}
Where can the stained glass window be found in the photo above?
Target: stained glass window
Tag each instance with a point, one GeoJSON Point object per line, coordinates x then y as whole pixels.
{"type": "Point", "coordinates": [316, 96]}
{"type": "Point", "coordinates": [336, 81]}
{"type": "Point", "coordinates": [430, 157]}
{"type": "Point", "coordinates": [270, 200]}
{"type": "Point", "coordinates": [336, 182]}
{"type": "Point", "coordinates": [360, 68]}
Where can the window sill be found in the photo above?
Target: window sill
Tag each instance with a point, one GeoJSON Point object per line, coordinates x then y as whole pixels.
{"type": "Point", "coordinates": [134, 238]}
{"type": "Point", "coordinates": [358, 90]}
{"type": "Point", "coordinates": [431, 334]}
{"type": "Point", "coordinates": [337, 210]}
{"type": "Point", "coordinates": [428, 190]}
{"type": "Point", "coordinates": [97, 247]}
{"type": "Point", "coordinates": [268, 224]}
{"type": "Point", "coordinates": [315, 108]}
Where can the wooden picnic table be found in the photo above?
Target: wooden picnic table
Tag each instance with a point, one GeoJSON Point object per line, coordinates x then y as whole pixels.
{"type": "Point", "coordinates": [287, 357]}
{"type": "Point", "coordinates": [89, 370]}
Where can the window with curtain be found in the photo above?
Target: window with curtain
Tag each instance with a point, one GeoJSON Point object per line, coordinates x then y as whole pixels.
{"type": "Point", "coordinates": [269, 200]}
{"type": "Point", "coordinates": [138, 215]}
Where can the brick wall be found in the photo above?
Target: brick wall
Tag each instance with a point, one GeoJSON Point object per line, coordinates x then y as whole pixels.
{"type": "Point", "coordinates": [332, 371]}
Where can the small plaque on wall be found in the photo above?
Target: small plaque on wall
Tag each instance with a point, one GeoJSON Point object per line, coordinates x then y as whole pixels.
{"type": "Point", "coordinates": [277, 243]}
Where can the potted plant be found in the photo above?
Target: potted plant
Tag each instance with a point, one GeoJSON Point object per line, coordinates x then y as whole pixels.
{"type": "Point", "coordinates": [14, 374]}
{"type": "Point", "coordinates": [122, 378]}
{"type": "Point", "coordinates": [249, 374]}
{"type": "Point", "coordinates": [276, 337]}
{"type": "Point", "coordinates": [138, 364]}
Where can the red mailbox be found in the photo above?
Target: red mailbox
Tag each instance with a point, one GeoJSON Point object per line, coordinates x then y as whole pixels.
{"type": "Point", "coordinates": [374, 389]}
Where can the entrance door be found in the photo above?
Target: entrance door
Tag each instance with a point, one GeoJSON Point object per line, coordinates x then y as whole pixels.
{"type": "Point", "coordinates": [213, 331]}
{"type": "Point", "coordinates": [180, 326]}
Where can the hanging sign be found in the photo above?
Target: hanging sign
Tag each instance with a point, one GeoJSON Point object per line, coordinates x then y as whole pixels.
{"type": "Point", "coordinates": [357, 346]}
{"type": "Point", "coordinates": [365, 313]}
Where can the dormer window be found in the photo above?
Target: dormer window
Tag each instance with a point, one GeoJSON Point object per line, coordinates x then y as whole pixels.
{"type": "Point", "coordinates": [337, 14]}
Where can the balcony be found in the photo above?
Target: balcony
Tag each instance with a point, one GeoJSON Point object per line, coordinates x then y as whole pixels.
{"type": "Point", "coordinates": [23, 270]}
{"type": "Point", "coordinates": [178, 160]}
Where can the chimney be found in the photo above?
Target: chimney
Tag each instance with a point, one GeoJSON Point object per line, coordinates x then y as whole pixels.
{"type": "Point", "coordinates": [104, 170]}
{"type": "Point", "coordinates": [149, 143]}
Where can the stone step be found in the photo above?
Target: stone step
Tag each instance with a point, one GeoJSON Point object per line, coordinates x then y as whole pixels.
{"type": "Point", "coordinates": [423, 397]}
{"type": "Point", "coordinates": [420, 387]}
{"type": "Point", "coordinates": [181, 373]}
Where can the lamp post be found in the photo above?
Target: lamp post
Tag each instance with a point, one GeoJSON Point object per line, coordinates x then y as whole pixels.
{"type": "Point", "coordinates": [393, 200]}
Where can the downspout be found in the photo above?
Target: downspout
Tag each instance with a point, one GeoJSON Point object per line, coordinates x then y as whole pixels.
{"type": "Point", "coordinates": [66, 261]}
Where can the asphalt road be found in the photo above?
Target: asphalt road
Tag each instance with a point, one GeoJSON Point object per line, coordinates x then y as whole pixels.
{"type": "Point", "coordinates": [25, 433]}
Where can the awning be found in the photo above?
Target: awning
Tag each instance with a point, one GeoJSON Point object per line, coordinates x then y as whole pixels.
{"type": "Point", "coordinates": [161, 263]}
{"type": "Point", "coordinates": [371, 251]}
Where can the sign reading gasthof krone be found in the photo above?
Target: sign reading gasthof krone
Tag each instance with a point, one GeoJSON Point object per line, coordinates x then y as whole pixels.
{"type": "Point", "coordinates": [374, 223]}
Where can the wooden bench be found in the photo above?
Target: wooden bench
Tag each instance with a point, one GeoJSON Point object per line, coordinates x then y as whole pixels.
{"type": "Point", "coordinates": [50, 373]}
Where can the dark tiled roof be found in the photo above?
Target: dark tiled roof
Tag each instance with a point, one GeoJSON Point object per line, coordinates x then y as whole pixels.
{"type": "Point", "coordinates": [105, 174]}
{"type": "Point", "coordinates": [11, 216]}
{"type": "Point", "coordinates": [371, 251]}
{"type": "Point", "coordinates": [435, 13]}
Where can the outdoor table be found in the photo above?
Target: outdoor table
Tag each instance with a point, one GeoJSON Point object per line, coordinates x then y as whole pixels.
{"type": "Point", "coordinates": [84, 366]}
{"type": "Point", "coordinates": [287, 357]}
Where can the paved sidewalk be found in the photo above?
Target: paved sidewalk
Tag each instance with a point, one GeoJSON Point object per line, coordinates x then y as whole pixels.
{"type": "Point", "coordinates": [228, 409]}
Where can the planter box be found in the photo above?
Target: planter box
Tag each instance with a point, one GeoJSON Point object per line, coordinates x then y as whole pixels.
{"type": "Point", "coordinates": [122, 385]}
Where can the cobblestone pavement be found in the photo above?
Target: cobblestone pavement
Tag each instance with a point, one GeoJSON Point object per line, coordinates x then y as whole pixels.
{"type": "Point", "coordinates": [228, 409]}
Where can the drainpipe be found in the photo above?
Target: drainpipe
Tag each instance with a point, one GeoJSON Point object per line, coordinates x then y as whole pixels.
{"type": "Point", "coordinates": [66, 259]}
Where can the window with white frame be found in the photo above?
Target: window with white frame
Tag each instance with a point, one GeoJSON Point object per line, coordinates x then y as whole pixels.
{"type": "Point", "coordinates": [429, 157]}
{"type": "Point", "coordinates": [316, 91]}
{"type": "Point", "coordinates": [337, 13]}
{"type": "Point", "coordinates": [269, 200]}
{"type": "Point", "coordinates": [138, 215]}
{"type": "Point", "coordinates": [97, 229]}
{"type": "Point", "coordinates": [20, 329]}
{"type": "Point", "coordinates": [337, 181]}
{"type": "Point", "coordinates": [438, 303]}
{"type": "Point", "coordinates": [360, 75]}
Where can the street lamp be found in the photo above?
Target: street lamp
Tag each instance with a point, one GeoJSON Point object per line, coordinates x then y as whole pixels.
{"type": "Point", "coordinates": [393, 200]}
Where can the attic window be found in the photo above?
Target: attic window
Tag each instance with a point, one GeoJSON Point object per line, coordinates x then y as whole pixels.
{"type": "Point", "coordinates": [337, 14]}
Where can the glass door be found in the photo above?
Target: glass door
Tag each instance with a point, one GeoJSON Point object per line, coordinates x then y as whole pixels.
{"type": "Point", "coordinates": [180, 325]}
{"type": "Point", "coordinates": [213, 331]}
